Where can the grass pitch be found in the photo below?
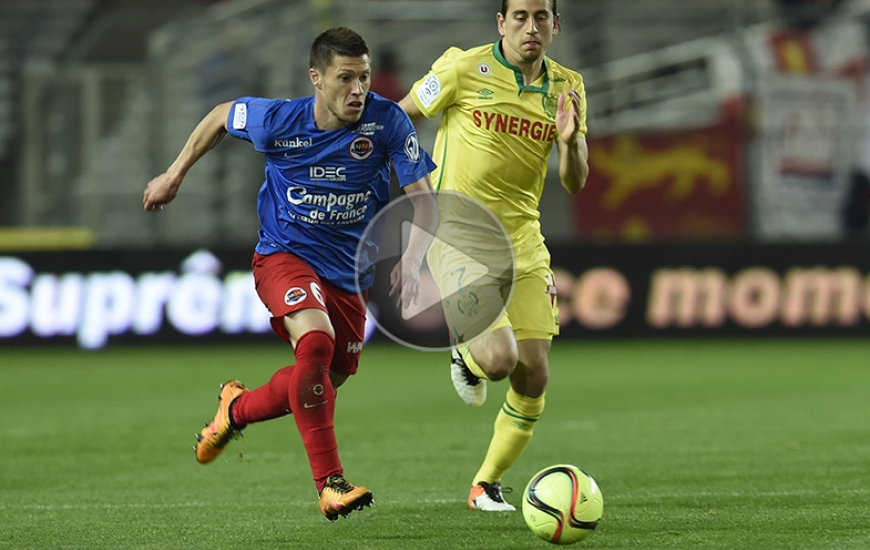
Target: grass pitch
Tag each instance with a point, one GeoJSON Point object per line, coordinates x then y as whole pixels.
{"type": "Point", "coordinates": [695, 444]}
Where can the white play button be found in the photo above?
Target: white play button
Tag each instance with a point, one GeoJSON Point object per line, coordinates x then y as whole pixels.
{"type": "Point", "coordinates": [465, 284]}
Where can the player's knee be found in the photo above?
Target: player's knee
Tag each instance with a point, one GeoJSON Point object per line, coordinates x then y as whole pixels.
{"type": "Point", "coordinates": [499, 362]}
{"type": "Point", "coordinates": [530, 379]}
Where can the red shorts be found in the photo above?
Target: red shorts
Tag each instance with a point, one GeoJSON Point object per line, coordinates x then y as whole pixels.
{"type": "Point", "coordinates": [285, 283]}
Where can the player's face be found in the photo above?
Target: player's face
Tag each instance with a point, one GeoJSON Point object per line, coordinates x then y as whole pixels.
{"type": "Point", "coordinates": [528, 29]}
{"type": "Point", "coordinates": [342, 88]}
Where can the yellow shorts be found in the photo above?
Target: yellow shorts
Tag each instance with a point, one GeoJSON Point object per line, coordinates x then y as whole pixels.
{"type": "Point", "coordinates": [476, 302]}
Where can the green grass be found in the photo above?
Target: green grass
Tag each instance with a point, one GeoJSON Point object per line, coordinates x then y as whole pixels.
{"type": "Point", "coordinates": [695, 444]}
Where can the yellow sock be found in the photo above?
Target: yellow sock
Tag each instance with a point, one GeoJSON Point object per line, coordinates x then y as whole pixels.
{"type": "Point", "coordinates": [513, 431]}
{"type": "Point", "coordinates": [471, 363]}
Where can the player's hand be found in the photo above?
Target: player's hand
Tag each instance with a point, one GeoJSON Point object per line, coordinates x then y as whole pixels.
{"type": "Point", "coordinates": [160, 191]}
{"type": "Point", "coordinates": [568, 116]}
{"type": "Point", "coordinates": [405, 282]}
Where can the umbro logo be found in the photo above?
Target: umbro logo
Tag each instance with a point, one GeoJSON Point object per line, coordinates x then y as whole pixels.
{"type": "Point", "coordinates": [485, 93]}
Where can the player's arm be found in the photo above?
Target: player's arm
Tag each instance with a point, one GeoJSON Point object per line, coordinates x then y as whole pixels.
{"type": "Point", "coordinates": [572, 147]}
{"type": "Point", "coordinates": [411, 108]}
{"type": "Point", "coordinates": [208, 133]}
{"type": "Point", "coordinates": [405, 276]}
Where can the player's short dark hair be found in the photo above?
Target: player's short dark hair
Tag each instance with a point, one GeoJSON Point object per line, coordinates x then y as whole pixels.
{"type": "Point", "coordinates": [504, 7]}
{"type": "Point", "coordinates": [335, 41]}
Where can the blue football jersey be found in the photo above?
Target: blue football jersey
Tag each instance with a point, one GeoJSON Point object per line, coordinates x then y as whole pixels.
{"type": "Point", "coordinates": [323, 187]}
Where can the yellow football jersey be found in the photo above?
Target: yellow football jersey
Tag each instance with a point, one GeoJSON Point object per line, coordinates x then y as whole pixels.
{"type": "Point", "coordinates": [495, 134]}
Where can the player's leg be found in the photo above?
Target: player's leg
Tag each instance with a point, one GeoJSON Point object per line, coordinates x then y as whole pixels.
{"type": "Point", "coordinates": [534, 315]}
{"type": "Point", "coordinates": [514, 425]}
{"type": "Point", "coordinates": [272, 399]}
{"type": "Point", "coordinates": [286, 285]}
{"type": "Point", "coordinates": [348, 316]}
{"type": "Point", "coordinates": [522, 407]}
{"type": "Point", "coordinates": [290, 290]}
{"type": "Point", "coordinates": [310, 393]}
{"type": "Point", "coordinates": [490, 357]}
{"type": "Point", "coordinates": [494, 355]}
{"type": "Point", "coordinates": [473, 301]}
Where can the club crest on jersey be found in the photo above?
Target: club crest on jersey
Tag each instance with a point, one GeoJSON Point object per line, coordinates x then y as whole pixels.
{"type": "Point", "coordinates": [484, 69]}
{"type": "Point", "coordinates": [550, 103]}
{"type": "Point", "coordinates": [294, 296]}
{"type": "Point", "coordinates": [361, 148]}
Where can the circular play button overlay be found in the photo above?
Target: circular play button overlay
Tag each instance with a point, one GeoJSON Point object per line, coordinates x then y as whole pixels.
{"type": "Point", "coordinates": [466, 281]}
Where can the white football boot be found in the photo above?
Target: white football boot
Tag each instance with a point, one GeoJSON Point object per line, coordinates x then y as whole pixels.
{"type": "Point", "coordinates": [470, 388]}
{"type": "Point", "coordinates": [488, 497]}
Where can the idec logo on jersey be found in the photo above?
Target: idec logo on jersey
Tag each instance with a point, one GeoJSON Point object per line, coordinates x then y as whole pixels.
{"type": "Point", "coordinates": [327, 173]}
{"type": "Point", "coordinates": [361, 148]}
{"type": "Point", "coordinates": [294, 296]}
{"type": "Point", "coordinates": [515, 126]}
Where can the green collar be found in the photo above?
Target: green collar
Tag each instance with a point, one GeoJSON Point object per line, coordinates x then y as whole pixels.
{"type": "Point", "coordinates": [518, 74]}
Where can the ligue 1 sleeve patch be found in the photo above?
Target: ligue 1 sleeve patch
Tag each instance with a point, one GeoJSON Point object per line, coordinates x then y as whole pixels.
{"type": "Point", "coordinates": [429, 90]}
{"type": "Point", "coordinates": [240, 116]}
{"type": "Point", "coordinates": [412, 147]}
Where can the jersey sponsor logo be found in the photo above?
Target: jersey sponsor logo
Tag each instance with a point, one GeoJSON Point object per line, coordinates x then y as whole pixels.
{"type": "Point", "coordinates": [484, 69]}
{"type": "Point", "coordinates": [292, 143]}
{"type": "Point", "coordinates": [240, 116]}
{"type": "Point", "coordinates": [429, 90]}
{"type": "Point", "coordinates": [327, 173]}
{"type": "Point", "coordinates": [318, 294]}
{"type": "Point", "coordinates": [298, 195]}
{"type": "Point", "coordinates": [513, 125]}
{"type": "Point", "coordinates": [361, 148]}
{"type": "Point", "coordinates": [412, 147]}
{"type": "Point", "coordinates": [354, 347]}
{"type": "Point", "coordinates": [369, 128]}
{"type": "Point", "coordinates": [294, 296]}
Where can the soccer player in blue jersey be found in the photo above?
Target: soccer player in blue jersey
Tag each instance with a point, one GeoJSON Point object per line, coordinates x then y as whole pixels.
{"type": "Point", "coordinates": [328, 163]}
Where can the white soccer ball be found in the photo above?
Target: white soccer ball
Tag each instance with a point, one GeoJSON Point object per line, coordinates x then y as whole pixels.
{"type": "Point", "coordinates": [562, 504]}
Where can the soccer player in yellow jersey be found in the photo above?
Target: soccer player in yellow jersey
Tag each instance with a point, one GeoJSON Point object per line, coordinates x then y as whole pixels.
{"type": "Point", "coordinates": [502, 107]}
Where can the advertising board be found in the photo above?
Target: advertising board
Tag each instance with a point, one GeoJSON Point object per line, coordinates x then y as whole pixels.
{"type": "Point", "coordinates": [93, 299]}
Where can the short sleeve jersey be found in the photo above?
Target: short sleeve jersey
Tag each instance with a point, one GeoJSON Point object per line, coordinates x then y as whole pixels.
{"type": "Point", "coordinates": [495, 134]}
{"type": "Point", "coordinates": [323, 187]}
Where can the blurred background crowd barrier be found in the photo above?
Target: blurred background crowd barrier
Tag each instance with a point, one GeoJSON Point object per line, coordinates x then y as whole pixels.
{"type": "Point", "coordinates": [719, 127]}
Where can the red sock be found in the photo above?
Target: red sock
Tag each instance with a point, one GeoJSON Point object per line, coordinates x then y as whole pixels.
{"type": "Point", "coordinates": [264, 403]}
{"type": "Point", "coordinates": [312, 398]}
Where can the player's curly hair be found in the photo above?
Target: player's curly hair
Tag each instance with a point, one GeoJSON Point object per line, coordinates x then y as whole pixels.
{"type": "Point", "coordinates": [335, 41]}
{"type": "Point", "coordinates": [504, 7]}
